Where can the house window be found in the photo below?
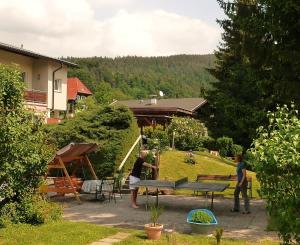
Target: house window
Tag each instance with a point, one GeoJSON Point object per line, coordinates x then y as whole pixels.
{"type": "Point", "coordinates": [57, 85]}
{"type": "Point", "coordinates": [80, 97]}
{"type": "Point", "coordinates": [23, 75]}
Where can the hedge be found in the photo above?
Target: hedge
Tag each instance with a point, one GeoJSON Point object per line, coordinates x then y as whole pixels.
{"type": "Point", "coordinates": [113, 129]}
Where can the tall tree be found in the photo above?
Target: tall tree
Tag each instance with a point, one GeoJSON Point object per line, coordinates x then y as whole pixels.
{"type": "Point", "coordinates": [254, 65]}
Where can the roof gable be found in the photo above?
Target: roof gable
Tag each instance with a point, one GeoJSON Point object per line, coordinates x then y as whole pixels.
{"type": "Point", "coordinates": [75, 87]}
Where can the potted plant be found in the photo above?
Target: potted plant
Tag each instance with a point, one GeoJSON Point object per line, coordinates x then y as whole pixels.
{"type": "Point", "coordinates": [201, 220]}
{"type": "Point", "coordinates": [153, 230]}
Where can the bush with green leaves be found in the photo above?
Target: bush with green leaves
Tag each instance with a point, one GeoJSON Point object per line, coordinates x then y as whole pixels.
{"type": "Point", "coordinates": [24, 152]}
{"type": "Point", "coordinates": [158, 137]}
{"type": "Point", "coordinates": [224, 145]}
{"type": "Point", "coordinates": [249, 159]}
{"type": "Point", "coordinates": [277, 163]}
{"type": "Point", "coordinates": [189, 133]}
{"type": "Point", "coordinates": [210, 143]}
{"type": "Point", "coordinates": [190, 158]}
{"type": "Point", "coordinates": [32, 210]}
{"type": "Point", "coordinates": [236, 150]}
{"type": "Point", "coordinates": [113, 129]}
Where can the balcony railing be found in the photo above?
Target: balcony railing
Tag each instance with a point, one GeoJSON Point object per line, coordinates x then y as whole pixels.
{"type": "Point", "coordinates": [36, 96]}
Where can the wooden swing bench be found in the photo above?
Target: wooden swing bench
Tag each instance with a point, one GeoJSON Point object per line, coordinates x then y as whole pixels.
{"type": "Point", "coordinates": [73, 153]}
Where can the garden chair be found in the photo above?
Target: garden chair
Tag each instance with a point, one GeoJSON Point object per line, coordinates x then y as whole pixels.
{"type": "Point", "coordinates": [107, 186]}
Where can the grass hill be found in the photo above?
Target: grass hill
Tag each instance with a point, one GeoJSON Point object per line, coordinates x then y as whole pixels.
{"type": "Point", "coordinates": [173, 167]}
{"type": "Point", "coordinates": [138, 77]}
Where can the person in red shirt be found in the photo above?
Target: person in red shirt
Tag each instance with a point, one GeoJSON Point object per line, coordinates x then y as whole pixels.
{"type": "Point", "coordinates": [135, 175]}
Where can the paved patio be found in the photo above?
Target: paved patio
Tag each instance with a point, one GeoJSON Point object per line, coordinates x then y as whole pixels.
{"type": "Point", "coordinates": [235, 225]}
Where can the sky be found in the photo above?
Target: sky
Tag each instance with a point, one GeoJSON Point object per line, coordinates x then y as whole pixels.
{"type": "Point", "coordinates": [85, 28]}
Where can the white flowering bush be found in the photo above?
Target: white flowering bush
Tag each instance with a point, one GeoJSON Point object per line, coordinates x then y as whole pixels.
{"type": "Point", "coordinates": [189, 133]}
{"type": "Point", "coordinates": [277, 164]}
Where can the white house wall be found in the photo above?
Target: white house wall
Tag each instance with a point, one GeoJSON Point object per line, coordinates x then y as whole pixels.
{"type": "Point", "coordinates": [40, 75]}
{"type": "Point", "coordinates": [60, 98]}
{"type": "Point", "coordinates": [25, 64]}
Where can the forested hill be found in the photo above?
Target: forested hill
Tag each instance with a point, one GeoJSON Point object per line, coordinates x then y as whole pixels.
{"type": "Point", "coordinates": [138, 77]}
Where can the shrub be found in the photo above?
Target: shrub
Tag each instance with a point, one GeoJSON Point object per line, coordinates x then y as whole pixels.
{"type": "Point", "coordinates": [8, 214]}
{"type": "Point", "coordinates": [163, 139]}
{"type": "Point", "coordinates": [277, 157]}
{"type": "Point", "coordinates": [31, 210]}
{"type": "Point", "coordinates": [150, 158]}
{"type": "Point", "coordinates": [24, 152]}
{"type": "Point", "coordinates": [189, 133]}
{"type": "Point", "coordinates": [202, 149]}
{"type": "Point", "coordinates": [236, 150]}
{"type": "Point", "coordinates": [158, 137]}
{"type": "Point", "coordinates": [148, 131]}
{"type": "Point", "coordinates": [224, 145]}
{"type": "Point", "coordinates": [201, 217]}
{"type": "Point", "coordinates": [210, 143]}
{"type": "Point", "coordinates": [37, 210]}
{"type": "Point", "coordinates": [249, 159]}
{"type": "Point", "coordinates": [190, 158]}
{"type": "Point", "coordinates": [113, 129]}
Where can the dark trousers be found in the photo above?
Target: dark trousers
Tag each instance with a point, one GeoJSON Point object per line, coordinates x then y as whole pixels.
{"type": "Point", "coordinates": [237, 191]}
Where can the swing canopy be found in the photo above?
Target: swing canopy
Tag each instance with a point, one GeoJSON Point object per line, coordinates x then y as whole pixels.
{"type": "Point", "coordinates": [73, 153]}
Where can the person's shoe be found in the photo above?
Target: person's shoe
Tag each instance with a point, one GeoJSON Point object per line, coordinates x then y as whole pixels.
{"type": "Point", "coordinates": [234, 210]}
{"type": "Point", "coordinates": [246, 212]}
{"type": "Point", "coordinates": [134, 206]}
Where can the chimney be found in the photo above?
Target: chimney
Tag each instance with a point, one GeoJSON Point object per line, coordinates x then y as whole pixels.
{"type": "Point", "coordinates": [153, 99]}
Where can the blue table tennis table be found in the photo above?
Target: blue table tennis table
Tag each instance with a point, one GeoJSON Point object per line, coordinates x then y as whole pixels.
{"type": "Point", "coordinates": [181, 184]}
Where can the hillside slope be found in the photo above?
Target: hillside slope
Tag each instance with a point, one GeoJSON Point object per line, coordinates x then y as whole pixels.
{"type": "Point", "coordinates": [173, 167]}
{"type": "Point", "coordinates": [138, 77]}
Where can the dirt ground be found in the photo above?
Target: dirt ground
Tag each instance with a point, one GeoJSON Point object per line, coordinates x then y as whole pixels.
{"type": "Point", "coordinates": [235, 225]}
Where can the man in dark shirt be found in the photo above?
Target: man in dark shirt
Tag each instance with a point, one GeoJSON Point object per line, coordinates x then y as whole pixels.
{"type": "Point", "coordinates": [136, 175]}
{"type": "Point", "coordinates": [241, 186]}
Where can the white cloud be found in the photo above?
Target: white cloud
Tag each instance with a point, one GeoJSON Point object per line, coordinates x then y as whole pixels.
{"type": "Point", "coordinates": [109, 3]}
{"type": "Point", "coordinates": [70, 28]}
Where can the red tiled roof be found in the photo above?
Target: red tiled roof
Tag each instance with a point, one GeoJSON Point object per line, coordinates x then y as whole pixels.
{"type": "Point", "coordinates": [53, 120]}
{"type": "Point", "coordinates": [75, 86]}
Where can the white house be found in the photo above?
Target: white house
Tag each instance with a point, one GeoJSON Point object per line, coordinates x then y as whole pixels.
{"type": "Point", "coordinates": [45, 78]}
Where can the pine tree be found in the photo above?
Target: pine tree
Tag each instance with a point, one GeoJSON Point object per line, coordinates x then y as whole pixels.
{"type": "Point", "coordinates": [254, 66]}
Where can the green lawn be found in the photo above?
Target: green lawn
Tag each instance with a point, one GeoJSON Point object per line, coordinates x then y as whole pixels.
{"type": "Point", "coordinates": [74, 233]}
{"type": "Point", "coordinates": [59, 233]}
{"type": "Point", "coordinates": [139, 237]}
{"type": "Point", "coordinates": [172, 167]}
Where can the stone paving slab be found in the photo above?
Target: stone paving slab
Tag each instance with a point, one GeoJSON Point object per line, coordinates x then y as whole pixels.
{"type": "Point", "coordinates": [120, 235]}
{"type": "Point", "coordinates": [112, 239]}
